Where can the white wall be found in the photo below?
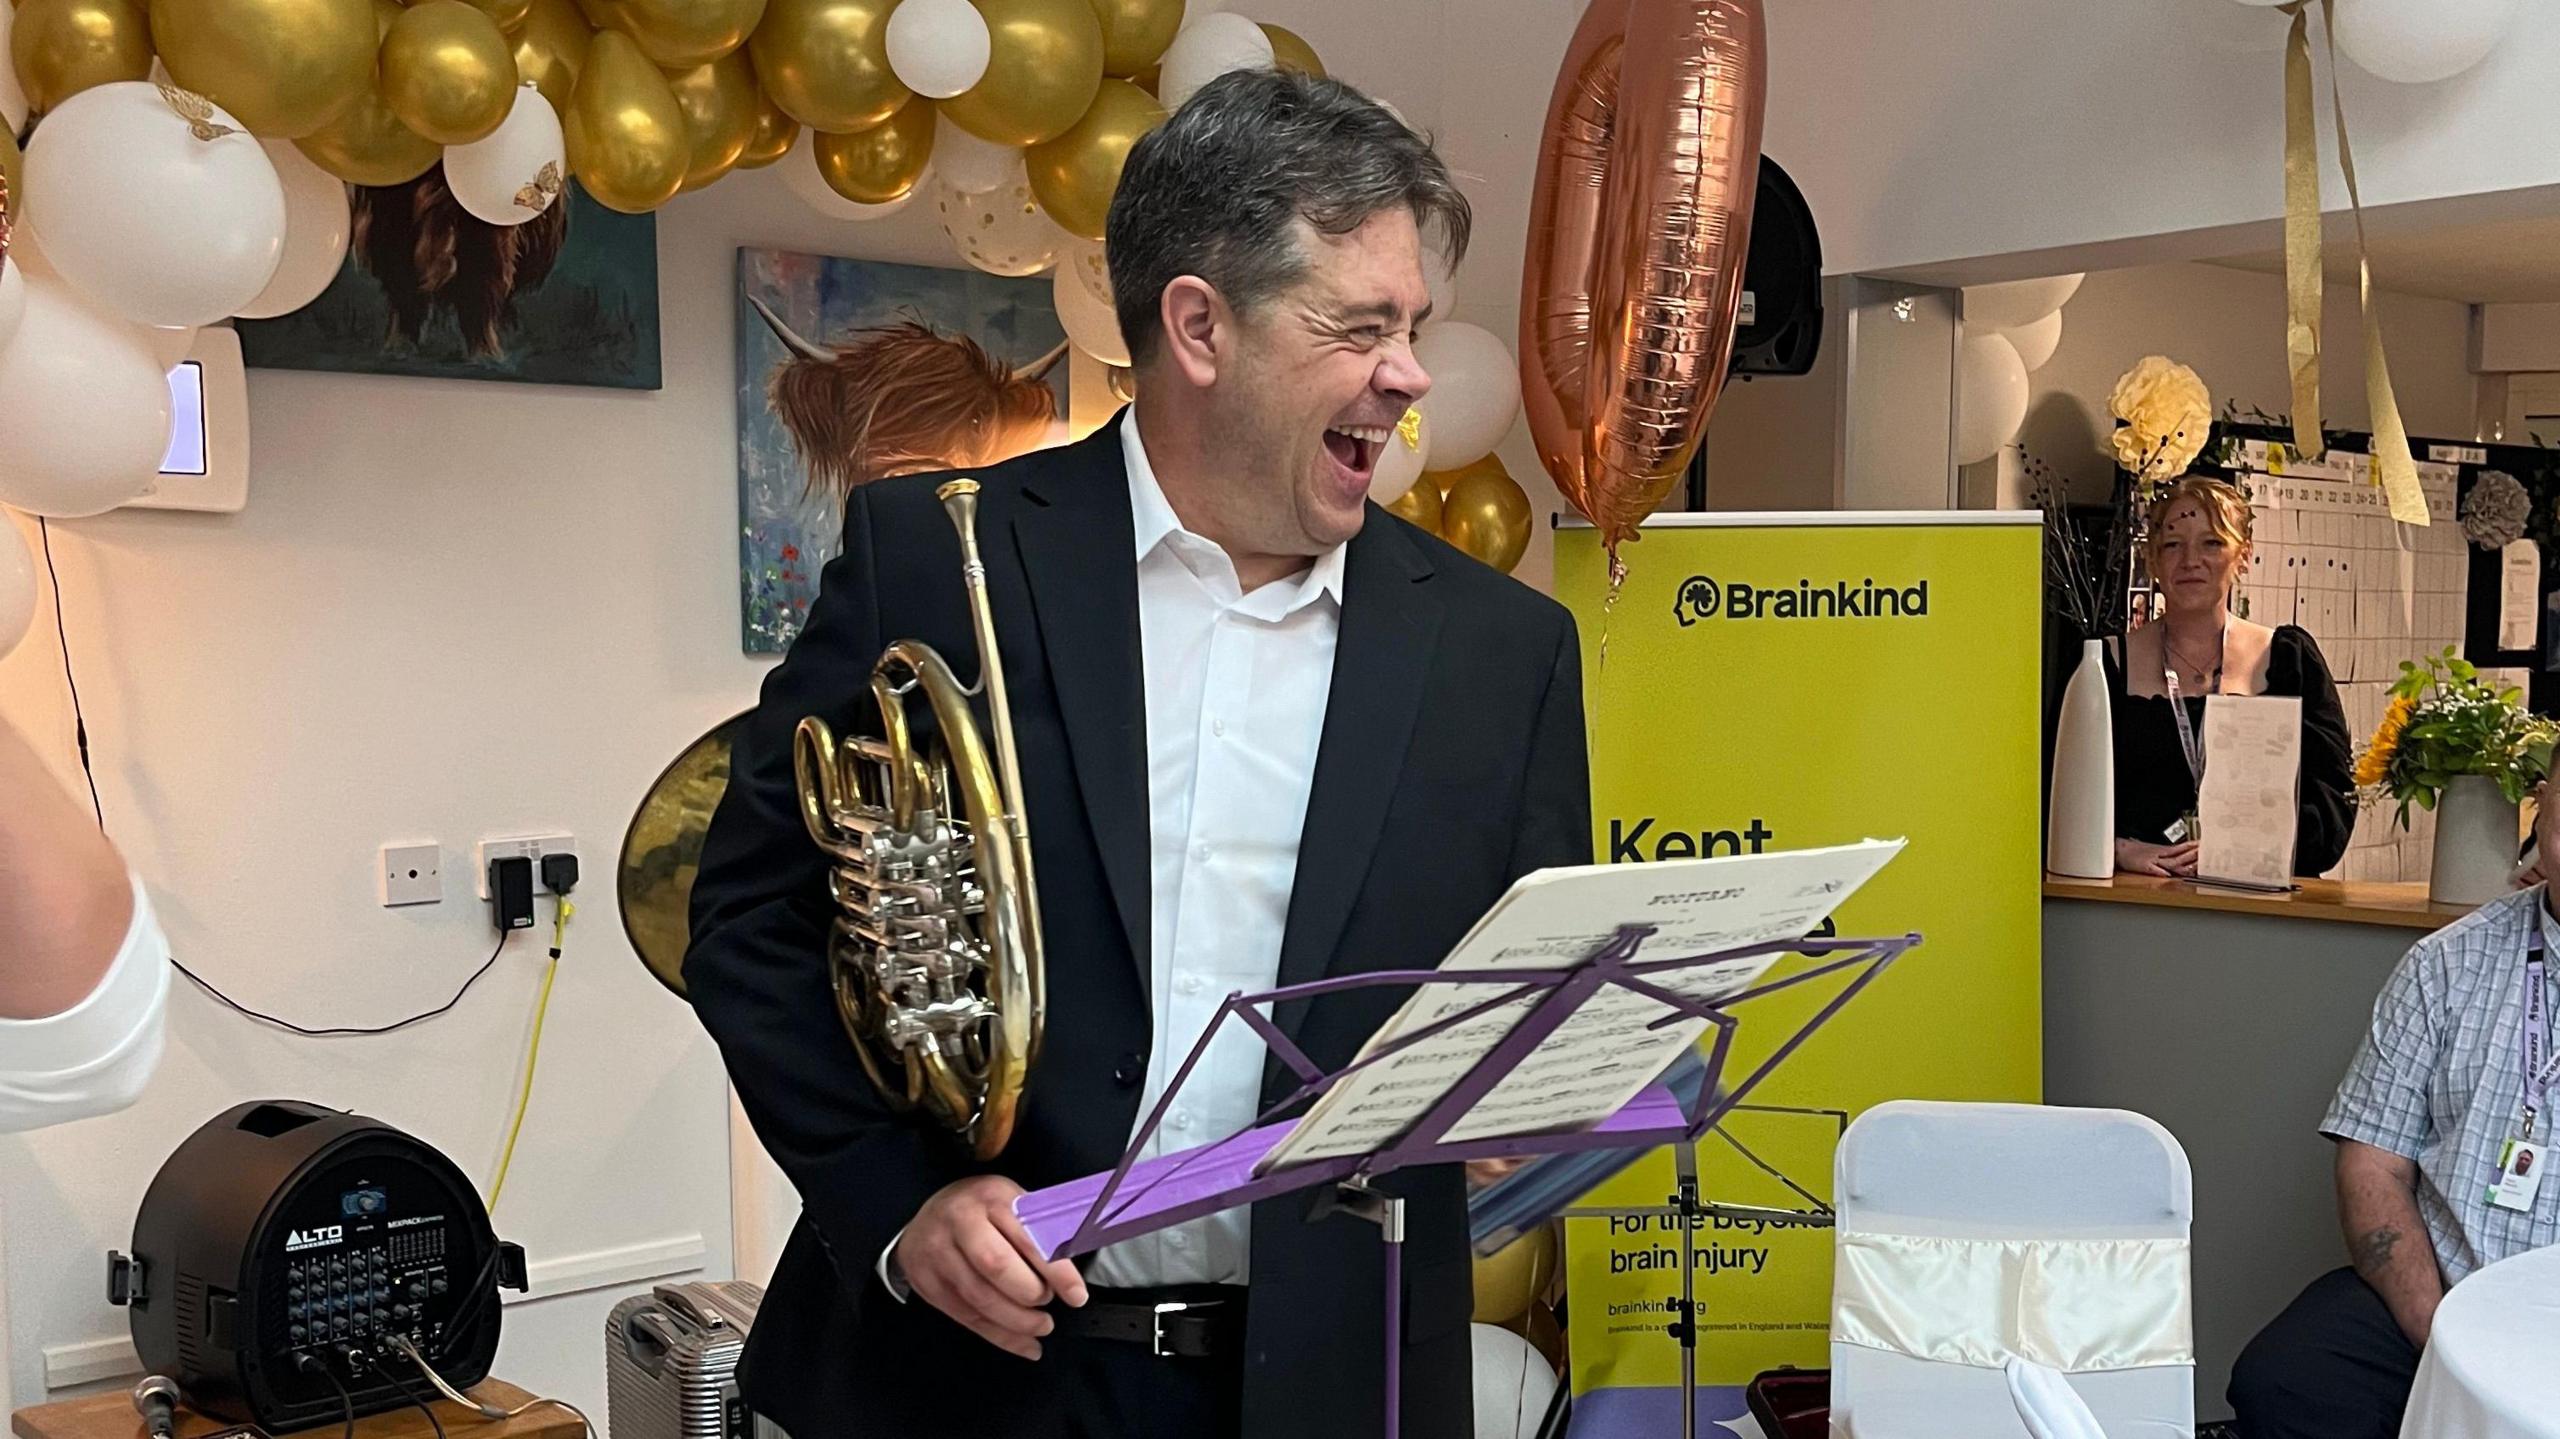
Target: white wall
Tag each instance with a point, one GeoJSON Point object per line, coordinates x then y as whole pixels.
{"type": "Point", "coordinates": [1932, 133]}
{"type": "Point", "coordinates": [2229, 325]}
{"type": "Point", "coordinates": [454, 610]}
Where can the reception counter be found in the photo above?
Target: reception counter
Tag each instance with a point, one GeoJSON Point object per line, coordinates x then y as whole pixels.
{"type": "Point", "coordinates": [2228, 1017]}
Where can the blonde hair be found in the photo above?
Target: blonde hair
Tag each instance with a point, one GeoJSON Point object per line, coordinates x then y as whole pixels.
{"type": "Point", "coordinates": [2226, 511]}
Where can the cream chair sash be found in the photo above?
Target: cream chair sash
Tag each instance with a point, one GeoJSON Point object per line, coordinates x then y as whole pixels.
{"type": "Point", "coordinates": [2070, 1304]}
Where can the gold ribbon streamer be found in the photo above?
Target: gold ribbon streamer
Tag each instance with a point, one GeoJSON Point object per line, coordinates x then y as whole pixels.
{"type": "Point", "coordinates": [2303, 271]}
{"type": "Point", "coordinates": [2395, 467]}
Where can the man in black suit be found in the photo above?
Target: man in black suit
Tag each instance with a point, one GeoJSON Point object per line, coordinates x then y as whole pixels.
{"type": "Point", "coordinates": [1269, 733]}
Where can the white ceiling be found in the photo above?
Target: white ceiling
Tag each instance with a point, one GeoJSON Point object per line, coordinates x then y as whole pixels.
{"type": "Point", "coordinates": [2501, 261]}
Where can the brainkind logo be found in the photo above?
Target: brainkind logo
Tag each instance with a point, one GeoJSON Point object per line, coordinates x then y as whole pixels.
{"type": "Point", "coordinates": [1701, 598]}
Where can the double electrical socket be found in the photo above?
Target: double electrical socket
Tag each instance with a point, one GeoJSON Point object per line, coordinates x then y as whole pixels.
{"type": "Point", "coordinates": [533, 847]}
{"type": "Point", "coordinates": [414, 873]}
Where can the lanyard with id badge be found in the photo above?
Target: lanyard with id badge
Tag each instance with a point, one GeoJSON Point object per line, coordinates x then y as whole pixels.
{"type": "Point", "coordinates": [2186, 828]}
{"type": "Point", "coordinates": [2519, 1175]}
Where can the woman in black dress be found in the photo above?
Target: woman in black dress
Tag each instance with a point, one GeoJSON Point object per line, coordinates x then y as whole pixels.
{"type": "Point", "coordinates": [2199, 540]}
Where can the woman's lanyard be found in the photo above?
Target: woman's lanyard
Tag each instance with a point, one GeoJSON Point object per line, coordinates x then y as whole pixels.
{"type": "Point", "coordinates": [2177, 706]}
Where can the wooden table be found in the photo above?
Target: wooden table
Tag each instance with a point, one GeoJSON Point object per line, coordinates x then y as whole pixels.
{"type": "Point", "coordinates": [111, 1416]}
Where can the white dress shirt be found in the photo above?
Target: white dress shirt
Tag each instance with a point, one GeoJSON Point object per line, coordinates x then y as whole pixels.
{"type": "Point", "coordinates": [94, 1057]}
{"type": "Point", "coordinates": [1236, 687]}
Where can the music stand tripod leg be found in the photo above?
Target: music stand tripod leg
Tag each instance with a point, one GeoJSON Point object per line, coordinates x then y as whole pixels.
{"type": "Point", "coordinates": [1684, 1158]}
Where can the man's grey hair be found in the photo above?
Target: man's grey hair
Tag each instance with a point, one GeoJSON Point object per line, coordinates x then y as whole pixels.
{"type": "Point", "coordinates": [1217, 190]}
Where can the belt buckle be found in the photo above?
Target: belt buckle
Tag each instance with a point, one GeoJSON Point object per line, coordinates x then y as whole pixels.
{"type": "Point", "coordinates": [1156, 1344]}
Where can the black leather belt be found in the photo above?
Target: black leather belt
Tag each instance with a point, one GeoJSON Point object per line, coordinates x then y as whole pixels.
{"type": "Point", "coordinates": [1192, 1322]}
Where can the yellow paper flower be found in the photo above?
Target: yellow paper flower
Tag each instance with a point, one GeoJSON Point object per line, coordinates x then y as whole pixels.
{"type": "Point", "coordinates": [2375, 762]}
{"type": "Point", "coordinates": [2166, 415]}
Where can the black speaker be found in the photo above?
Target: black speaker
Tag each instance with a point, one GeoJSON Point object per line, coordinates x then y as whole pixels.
{"type": "Point", "coordinates": [1783, 277]}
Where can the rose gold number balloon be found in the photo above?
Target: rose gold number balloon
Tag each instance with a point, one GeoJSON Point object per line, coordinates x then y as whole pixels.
{"type": "Point", "coordinates": [1638, 230]}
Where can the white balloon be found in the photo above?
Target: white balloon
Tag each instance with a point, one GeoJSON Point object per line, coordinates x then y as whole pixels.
{"type": "Point", "coordinates": [968, 164]}
{"type": "Point", "coordinates": [1208, 47]}
{"type": "Point", "coordinates": [489, 175]}
{"type": "Point", "coordinates": [17, 581]}
{"type": "Point", "coordinates": [84, 408]}
{"type": "Point", "coordinates": [801, 173]}
{"type": "Point", "coordinates": [2037, 342]}
{"type": "Point", "coordinates": [1399, 464]}
{"type": "Point", "coordinates": [1092, 325]}
{"type": "Point", "coordinates": [148, 220]}
{"type": "Point", "coordinates": [1513, 1384]}
{"type": "Point", "coordinates": [2019, 302]}
{"type": "Point", "coordinates": [938, 48]}
{"type": "Point", "coordinates": [1475, 391]}
{"type": "Point", "coordinates": [2417, 42]}
{"type": "Point", "coordinates": [316, 227]}
{"type": "Point", "coordinates": [1991, 397]}
{"type": "Point", "coordinates": [1003, 232]}
{"type": "Point", "coordinates": [13, 98]}
{"type": "Point", "coordinates": [13, 298]}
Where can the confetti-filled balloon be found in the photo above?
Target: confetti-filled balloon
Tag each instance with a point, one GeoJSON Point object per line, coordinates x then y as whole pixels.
{"type": "Point", "coordinates": [1002, 231]}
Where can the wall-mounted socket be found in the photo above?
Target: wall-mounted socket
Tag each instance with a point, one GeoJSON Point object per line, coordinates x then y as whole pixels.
{"type": "Point", "coordinates": [412, 874]}
{"type": "Point", "coordinates": [532, 847]}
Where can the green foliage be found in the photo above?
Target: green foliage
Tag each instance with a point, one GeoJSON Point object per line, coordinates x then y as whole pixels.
{"type": "Point", "coordinates": [2444, 721]}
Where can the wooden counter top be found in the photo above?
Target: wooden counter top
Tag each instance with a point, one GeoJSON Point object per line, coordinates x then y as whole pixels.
{"type": "Point", "coordinates": [111, 1416]}
{"type": "Point", "coordinates": [2402, 905]}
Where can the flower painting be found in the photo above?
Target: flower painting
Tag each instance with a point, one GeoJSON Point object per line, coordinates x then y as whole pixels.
{"type": "Point", "coordinates": [849, 370]}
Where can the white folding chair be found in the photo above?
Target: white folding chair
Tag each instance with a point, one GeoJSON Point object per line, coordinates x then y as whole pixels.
{"type": "Point", "coordinates": [1995, 1260]}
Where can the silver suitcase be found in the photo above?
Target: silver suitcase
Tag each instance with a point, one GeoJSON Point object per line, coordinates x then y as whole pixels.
{"type": "Point", "coordinates": [671, 1362]}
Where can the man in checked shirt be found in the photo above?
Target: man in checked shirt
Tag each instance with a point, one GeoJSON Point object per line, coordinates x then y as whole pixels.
{"type": "Point", "coordinates": [2438, 1124]}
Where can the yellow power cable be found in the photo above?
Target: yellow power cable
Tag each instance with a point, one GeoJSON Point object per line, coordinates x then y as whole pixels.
{"type": "Point", "coordinates": [533, 1051]}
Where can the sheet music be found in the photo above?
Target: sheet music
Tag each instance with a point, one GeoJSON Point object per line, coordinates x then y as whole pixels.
{"type": "Point", "coordinates": [1604, 1053]}
{"type": "Point", "coordinates": [2253, 761]}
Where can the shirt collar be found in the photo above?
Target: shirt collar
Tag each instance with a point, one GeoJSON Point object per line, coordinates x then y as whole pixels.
{"type": "Point", "coordinates": [1154, 523]}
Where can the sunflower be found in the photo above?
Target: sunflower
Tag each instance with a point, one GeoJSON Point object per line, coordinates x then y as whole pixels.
{"type": "Point", "coordinates": [2375, 762]}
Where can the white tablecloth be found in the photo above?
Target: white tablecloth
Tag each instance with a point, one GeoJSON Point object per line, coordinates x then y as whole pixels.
{"type": "Point", "coordinates": [2492, 1366]}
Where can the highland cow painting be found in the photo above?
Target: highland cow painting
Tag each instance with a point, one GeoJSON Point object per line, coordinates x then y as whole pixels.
{"type": "Point", "coordinates": [567, 298]}
{"type": "Point", "coordinates": [849, 370]}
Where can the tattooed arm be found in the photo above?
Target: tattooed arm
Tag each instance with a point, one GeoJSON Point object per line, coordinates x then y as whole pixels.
{"type": "Point", "coordinates": [2378, 1208]}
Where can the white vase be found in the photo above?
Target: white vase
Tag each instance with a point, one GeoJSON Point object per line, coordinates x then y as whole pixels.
{"type": "Point", "coordinates": [2475, 858]}
{"type": "Point", "coordinates": [2080, 830]}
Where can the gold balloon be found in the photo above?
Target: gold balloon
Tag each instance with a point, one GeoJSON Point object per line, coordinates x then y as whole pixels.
{"type": "Point", "coordinates": [283, 67]}
{"type": "Point", "coordinates": [1135, 33]}
{"type": "Point", "coordinates": [1511, 1278]}
{"type": "Point", "coordinates": [883, 163]}
{"type": "Point", "coordinates": [1044, 66]}
{"type": "Point", "coordinates": [62, 47]}
{"type": "Point", "coordinates": [1419, 506]}
{"type": "Point", "coordinates": [1075, 174]}
{"type": "Point", "coordinates": [508, 13]}
{"type": "Point", "coordinates": [774, 133]}
{"type": "Point", "coordinates": [9, 158]}
{"type": "Point", "coordinates": [719, 101]}
{"type": "Point", "coordinates": [550, 46]}
{"type": "Point", "coordinates": [367, 144]}
{"type": "Point", "coordinates": [826, 62]}
{"type": "Point", "coordinates": [1443, 479]}
{"type": "Point", "coordinates": [1486, 513]}
{"type": "Point", "coordinates": [679, 34]}
{"type": "Point", "coordinates": [448, 72]}
{"type": "Point", "coordinates": [626, 134]}
{"type": "Point", "coordinates": [1290, 51]}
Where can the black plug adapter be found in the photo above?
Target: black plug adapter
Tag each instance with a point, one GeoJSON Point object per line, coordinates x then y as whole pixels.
{"type": "Point", "coordinates": [560, 873]}
{"type": "Point", "coordinates": [511, 892]}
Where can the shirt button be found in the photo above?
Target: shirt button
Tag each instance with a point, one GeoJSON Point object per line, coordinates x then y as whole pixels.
{"type": "Point", "coordinates": [1179, 1239]}
{"type": "Point", "coordinates": [1181, 1120]}
{"type": "Point", "coordinates": [1218, 727]}
{"type": "Point", "coordinates": [1200, 852]}
{"type": "Point", "coordinates": [1189, 984]}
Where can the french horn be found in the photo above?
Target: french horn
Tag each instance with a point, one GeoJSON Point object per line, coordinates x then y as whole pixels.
{"type": "Point", "coordinates": [935, 949]}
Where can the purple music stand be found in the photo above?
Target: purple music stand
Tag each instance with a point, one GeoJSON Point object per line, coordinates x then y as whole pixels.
{"type": "Point", "coordinates": [1140, 1196]}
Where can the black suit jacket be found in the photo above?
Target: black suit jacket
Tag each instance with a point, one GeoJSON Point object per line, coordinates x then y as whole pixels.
{"type": "Point", "coordinates": [1451, 762]}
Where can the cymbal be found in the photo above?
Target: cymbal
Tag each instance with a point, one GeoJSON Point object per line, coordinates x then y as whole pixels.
{"type": "Point", "coordinates": [662, 852]}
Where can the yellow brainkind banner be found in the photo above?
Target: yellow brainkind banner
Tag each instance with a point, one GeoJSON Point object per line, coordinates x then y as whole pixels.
{"type": "Point", "coordinates": [1781, 685]}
